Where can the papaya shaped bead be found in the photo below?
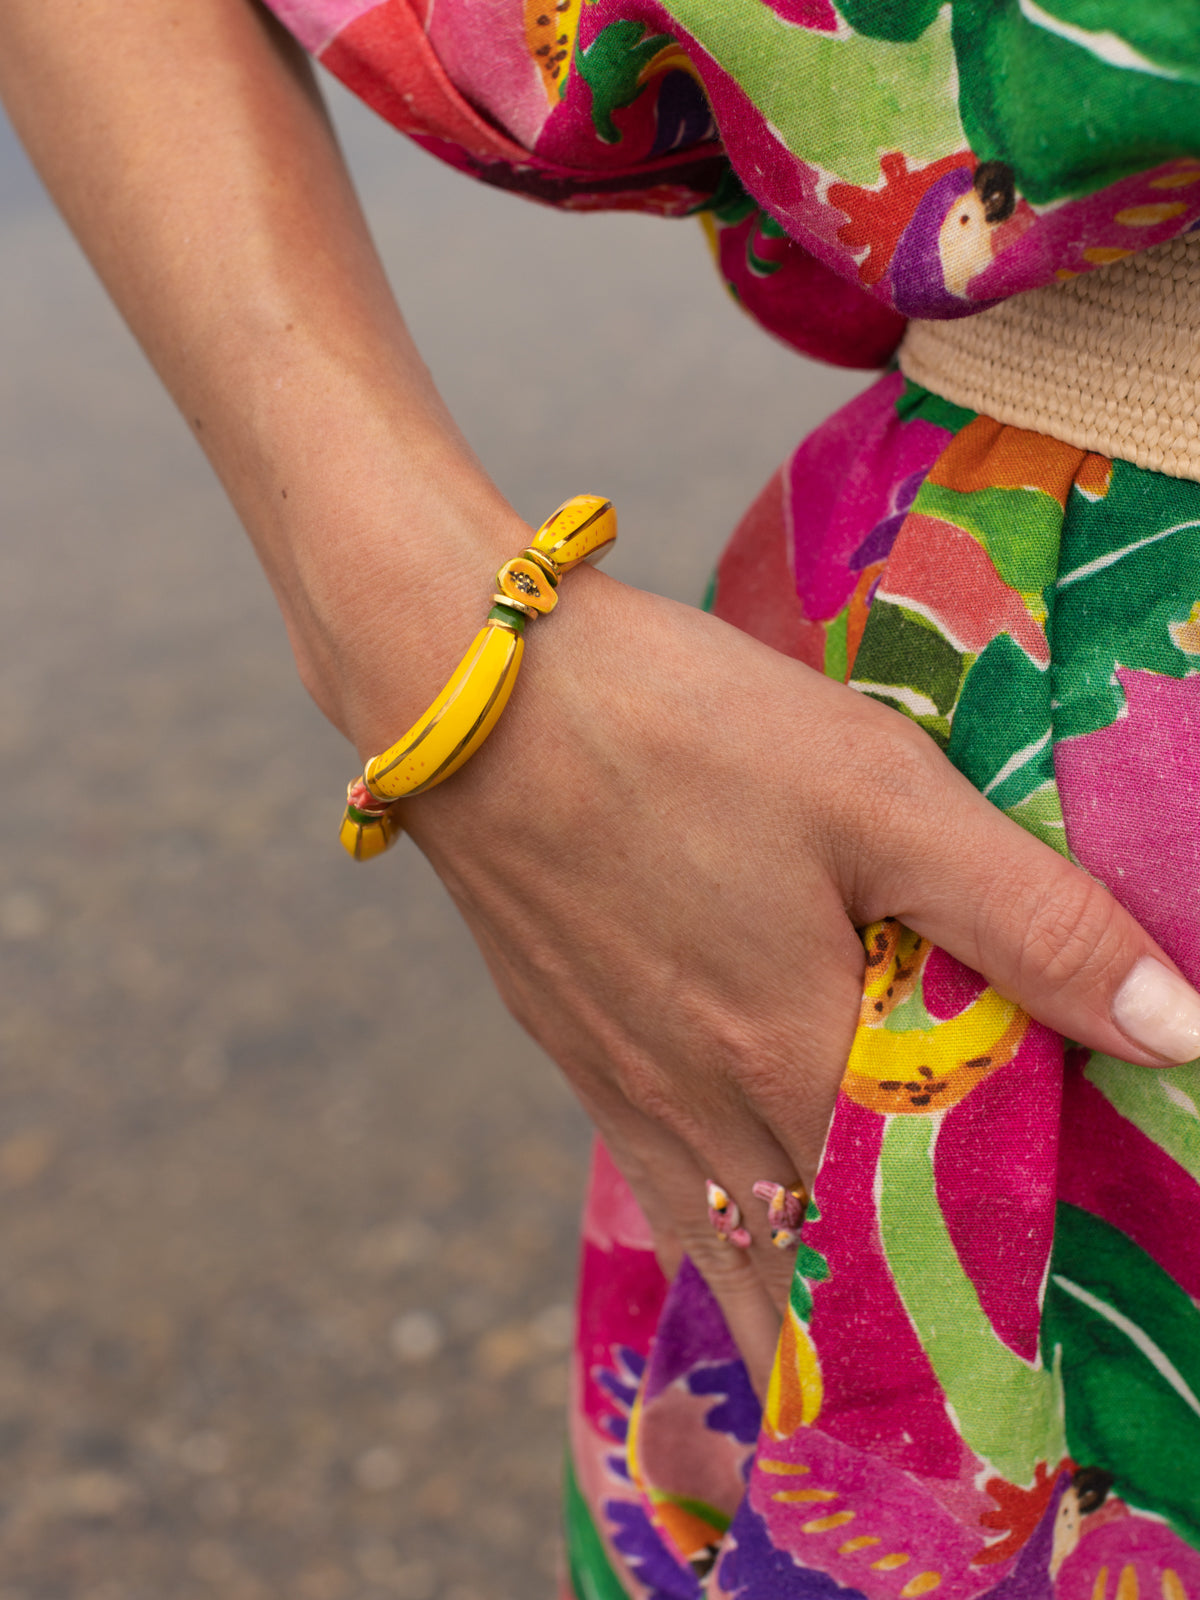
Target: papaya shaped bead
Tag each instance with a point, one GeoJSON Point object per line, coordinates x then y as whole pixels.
{"type": "Point", "coordinates": [525, 584]}
{"type": "Point", "coordinates": [581, 529]}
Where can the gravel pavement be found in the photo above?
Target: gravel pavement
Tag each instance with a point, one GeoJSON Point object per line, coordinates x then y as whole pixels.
{"type": "Point", "coordinates": [255, 1341]}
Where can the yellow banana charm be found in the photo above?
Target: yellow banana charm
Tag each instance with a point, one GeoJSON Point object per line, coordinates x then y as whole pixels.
{"type": "Point", "coordinates": [468, 708]}
{"type": "Point", "coordinates": [458, 721]}
{"type": "Point", "coordinates": [582, 529]}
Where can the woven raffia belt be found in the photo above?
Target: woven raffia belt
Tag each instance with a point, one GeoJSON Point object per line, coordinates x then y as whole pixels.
{"type": "Point", "coordinates": [1108, 361]}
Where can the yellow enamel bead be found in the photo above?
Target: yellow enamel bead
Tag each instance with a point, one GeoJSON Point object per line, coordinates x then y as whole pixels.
{"type": "Point", "coordinates": [580, 530]}
{"type": "Point", "coordinates": [365, 837]}
{"type": "Point", "coordinates": [527, 585]}
{"type": "Point", "coordinates": [457, 722]}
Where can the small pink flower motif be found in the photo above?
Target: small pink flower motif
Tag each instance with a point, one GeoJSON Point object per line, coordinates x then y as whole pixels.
{"type": "Point", "coordinates": [725, 1216]}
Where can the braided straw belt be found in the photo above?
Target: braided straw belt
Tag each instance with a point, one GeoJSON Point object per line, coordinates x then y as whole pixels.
{"type": "Point", "coordinates": [1108, 361]}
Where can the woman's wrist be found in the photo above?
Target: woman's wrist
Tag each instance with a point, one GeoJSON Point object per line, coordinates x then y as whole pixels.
{"type": "Point", "coordinates": [381, 586]}
{"type": "Point", "coordinates": [381, 535]}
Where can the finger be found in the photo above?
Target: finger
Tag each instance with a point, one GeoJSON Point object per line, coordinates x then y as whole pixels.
{"type": "Point", "coordinates": [1047, 935]}
{"type": "Point", "coordinates": [669, 1153]}
{"type": "Point", "coordinates": [669, 1185]}
{"type": "Point", "coordinates": [766, 1141]}
{"type": "Point", "coordinates": [791, 1085]}
{"type": "Point", "coordinates": [729, 1146]}
{"type": "Point", "coordinates": [749, 1177]}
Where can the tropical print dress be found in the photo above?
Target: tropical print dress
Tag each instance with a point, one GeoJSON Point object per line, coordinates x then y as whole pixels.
{"type": "Point", "coordinates": [988, 1381]}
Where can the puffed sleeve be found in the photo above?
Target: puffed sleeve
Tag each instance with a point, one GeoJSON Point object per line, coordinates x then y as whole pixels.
{"type": "Point", "coordinates": [858, 161]}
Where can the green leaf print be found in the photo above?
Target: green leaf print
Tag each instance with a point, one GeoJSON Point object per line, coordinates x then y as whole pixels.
{"type": "Point", "coordinates": [1127, 1340]}
{"type": "Point", "coordinates": [881, 81]}
{"type": "Point", "coordinates": [1164, 1104]}
{"type": "Point", "coordinates": [1026, 69]}
{"type": "Point", "coordinates": [898, 20]}
{"type": "Point", "coordinates": [730, 203]}
{"type": "Point", "coordinates": [811, 1267]}
{"type": "Point", "coordinates": [1006, 1410]}
{"type": "Point", "coordinates": [1040, 814]}
{"type": "Point", "coordinates": [837, 653]}
{"type": "Point", "coordinates": [765, 228]}
{"type": "Point", "coordinates": [1162, 32]}
{"type": "Point", "coordinates": [1000, 734]}
{"type": "Point", "coordinates": [1019, 529]}
{"type": "Point", "coordinates": [904, 661]}
{"type": "Point", "coordinates": [913, 401]}
{"type": "Point", "coordinates": [1129, 572]}
{"type": "Point", "coordinates": [612, 66]}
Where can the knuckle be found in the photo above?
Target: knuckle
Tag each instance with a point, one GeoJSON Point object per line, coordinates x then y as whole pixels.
{"type": "Point", "coordinates": [898, 779]}
{"type": "Point", "coordinates": [911, 761]}
{"type": "Point", "coordinates": [1069, 938]}
{"type": "Point", "coordinates": [636, 1078]}
{"type": "Point", "coordinates": [654, 1095]}
{"type": "Point", "coordinates": [739, 1046]}
{"type": "Point", "coordinates": [901, 757]}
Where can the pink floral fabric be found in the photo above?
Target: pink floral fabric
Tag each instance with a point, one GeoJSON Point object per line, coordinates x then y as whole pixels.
{"type": "Point", "coordinates": [989, 1375]}
{"type": "Point", "coordinates": [988, 1379]}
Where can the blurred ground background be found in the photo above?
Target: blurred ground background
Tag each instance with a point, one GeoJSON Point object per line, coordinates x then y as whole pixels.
{"type": "Point", "coordinates": [253, 1342]}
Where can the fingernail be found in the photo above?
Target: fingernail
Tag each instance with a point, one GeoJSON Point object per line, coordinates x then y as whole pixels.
{"type": "Point", "coordinates": [1159, 1011]}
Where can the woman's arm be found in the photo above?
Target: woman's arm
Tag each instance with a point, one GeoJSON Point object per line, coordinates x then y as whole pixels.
{"type": "Point", "coordinates": [664, 848]}
{"type": "Point", "coordinates": [187, 146]}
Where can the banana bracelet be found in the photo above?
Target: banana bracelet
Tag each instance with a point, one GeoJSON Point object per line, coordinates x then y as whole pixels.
{"type": "Point", "coordinates": [468, 708]}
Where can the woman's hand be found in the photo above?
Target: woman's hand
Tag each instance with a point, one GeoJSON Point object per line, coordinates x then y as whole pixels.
{"type": "Point", "coordinates": [665, 846]}
{"type": "Point", "coordinates": [664, 850]}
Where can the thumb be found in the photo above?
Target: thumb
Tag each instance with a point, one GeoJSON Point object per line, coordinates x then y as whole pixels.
{"type": "Point", "coordinates": [1045, 934]}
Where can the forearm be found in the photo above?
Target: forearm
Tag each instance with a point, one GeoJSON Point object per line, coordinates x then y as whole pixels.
{"type": "Point", "coordinates": [186, 144]}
